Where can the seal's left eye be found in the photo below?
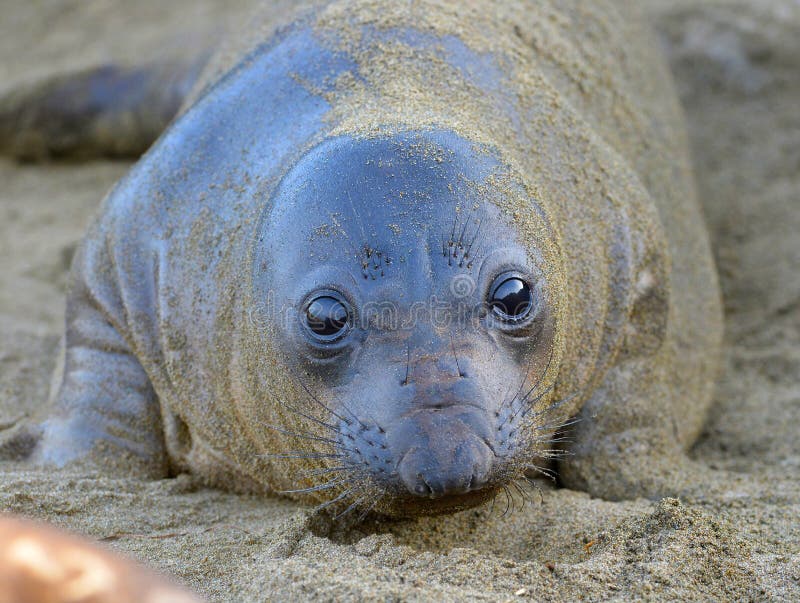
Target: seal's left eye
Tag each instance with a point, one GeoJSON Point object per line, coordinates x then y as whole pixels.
{"type": "Point", "coordinates": [511, 298]}
{"type": "Point", "coordinates": [327, 318]}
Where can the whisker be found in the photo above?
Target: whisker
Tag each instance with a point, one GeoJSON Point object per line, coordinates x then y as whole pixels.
{"type": "Point", "coordinates": [368, 509]}
{"type": "Point", "coordinates": [315, 399]}
{"type": "Point", "coordinates": [526, 404]}
{"type": "Point", "coordinates": [408, 363]}
{"type": "Point", "coordinates": [323, 471]}
{"type": "Point", "coordinates": [508, 499]}
{"type": "Point", "coordinates": [543, 451]}
{"type": "Point", "coordinates": [301, 455]}
{"type": "Point", "coordinates": [536, 487]}
{"type": "Point", "coordinates": [526, 398]}
{"type": "Point", "coordinates": [552, 454]}
{"type": "Point", "coordinates": [475, 236]}
{"type": "Point", "coordinates": [522, 493]}
{"type": "Point", "coordinates": [451, 242]}
{"type": "Point", "coordinates": [341, 404]}
{"type": "Point", "coordinates": [524, 380]}
{"type": "Point", "coordinates": [505, 395]}
{"type": "Point", "coordinates": [480, 244]}
{"type": "Point", "coordinates": [548, 473]}
{"type": "Point", "coordinates": [549, 409]}
{"type": "Point", "coordinates": [453, 347]}
{"type": "Point", "coordinates": [357, 216]}
{"type": "Point", "coordinates": [559, 440]}
{"type": "Point", "coordinates": [306, 436]}
{"type": "Point", "coordinates": [538, 381]}
{"type": "Point", "coordinates": [352, 506]}
{"type": "Point", "coordinates": [463, 231]}
{"type": "Point", "coordinates": [290, 408]}
{"type": "Point", "coordinates": [318, 488]}
{"type": "Point", "coordinates": [333, 501]}
{"type": "Point", "coordinates": [558, 425]}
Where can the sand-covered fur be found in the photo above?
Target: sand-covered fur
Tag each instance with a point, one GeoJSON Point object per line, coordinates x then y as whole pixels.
{"type": "Point", "coordinates": [548, 134]}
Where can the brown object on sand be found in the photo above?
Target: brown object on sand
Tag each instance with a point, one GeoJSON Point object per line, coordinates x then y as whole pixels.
{"type": "Point", "coordinates": [39, 564]}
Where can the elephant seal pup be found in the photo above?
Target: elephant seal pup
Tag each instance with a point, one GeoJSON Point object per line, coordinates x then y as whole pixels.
{"type": "Point", "coordinates": [40, 564]}
{"type": "Point", "coordinates": [387, 250]}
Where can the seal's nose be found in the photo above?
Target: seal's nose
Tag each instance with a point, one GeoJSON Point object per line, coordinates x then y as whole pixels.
{"type": "Point", "coordinates": [446, 450]}
{"type": "Point", "coordinates": [446, 470]}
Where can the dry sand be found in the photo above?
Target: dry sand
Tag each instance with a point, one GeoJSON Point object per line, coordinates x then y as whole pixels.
{"type": "Point", "coordinates": [737, 536]}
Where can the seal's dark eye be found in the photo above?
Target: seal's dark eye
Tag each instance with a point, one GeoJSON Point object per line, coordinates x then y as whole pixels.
{"type": "Point", "coordinates": [327, 318]}
{"type": "Point", "coordinates": [511, 298]}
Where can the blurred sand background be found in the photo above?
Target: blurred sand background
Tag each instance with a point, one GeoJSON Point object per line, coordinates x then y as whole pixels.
{"type": "Point", "coordinates": [737, 64]}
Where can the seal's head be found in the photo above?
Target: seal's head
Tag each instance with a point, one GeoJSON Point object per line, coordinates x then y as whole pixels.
{"type": "Point", "coordinates": [415, 311]}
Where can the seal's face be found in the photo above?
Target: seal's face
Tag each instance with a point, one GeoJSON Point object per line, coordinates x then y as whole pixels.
{"type": "Point", "coordinates": [413, 315]}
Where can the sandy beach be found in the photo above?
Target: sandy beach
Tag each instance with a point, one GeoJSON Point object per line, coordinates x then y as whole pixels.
{"type": "Point", "coordinates": [735, 536]}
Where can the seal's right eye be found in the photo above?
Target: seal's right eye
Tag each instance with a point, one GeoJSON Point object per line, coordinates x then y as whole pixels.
{"type": "Point", "coordinates": [511, 298]}
{"type": "Point", "coordinates": [327, 318]}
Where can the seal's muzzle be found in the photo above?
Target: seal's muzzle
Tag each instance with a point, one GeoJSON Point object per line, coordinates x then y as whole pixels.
{"type": "Point", "coordinates": [447, 456]}
{"type": "Point", "coordinates": [446, 451]}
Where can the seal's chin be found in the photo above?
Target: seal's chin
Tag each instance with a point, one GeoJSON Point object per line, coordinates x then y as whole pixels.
{"type": "Point", "coordinates": [405, 505]}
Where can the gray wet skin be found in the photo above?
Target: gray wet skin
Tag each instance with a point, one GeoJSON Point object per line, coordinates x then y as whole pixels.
{"type": "Point", "coordinates": [394, 234]}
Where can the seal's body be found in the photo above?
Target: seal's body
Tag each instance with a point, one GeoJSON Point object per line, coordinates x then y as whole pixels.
{"type": "Point", "coordinates": [387, 250]}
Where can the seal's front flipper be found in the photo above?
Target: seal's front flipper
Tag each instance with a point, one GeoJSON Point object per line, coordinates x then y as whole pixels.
{"type": "Point", "coordinates": [108, 111]}
{"type": "Point", "coordinates": [107, 417]}
{"type": "Point", "coordinates": [627, 443]}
